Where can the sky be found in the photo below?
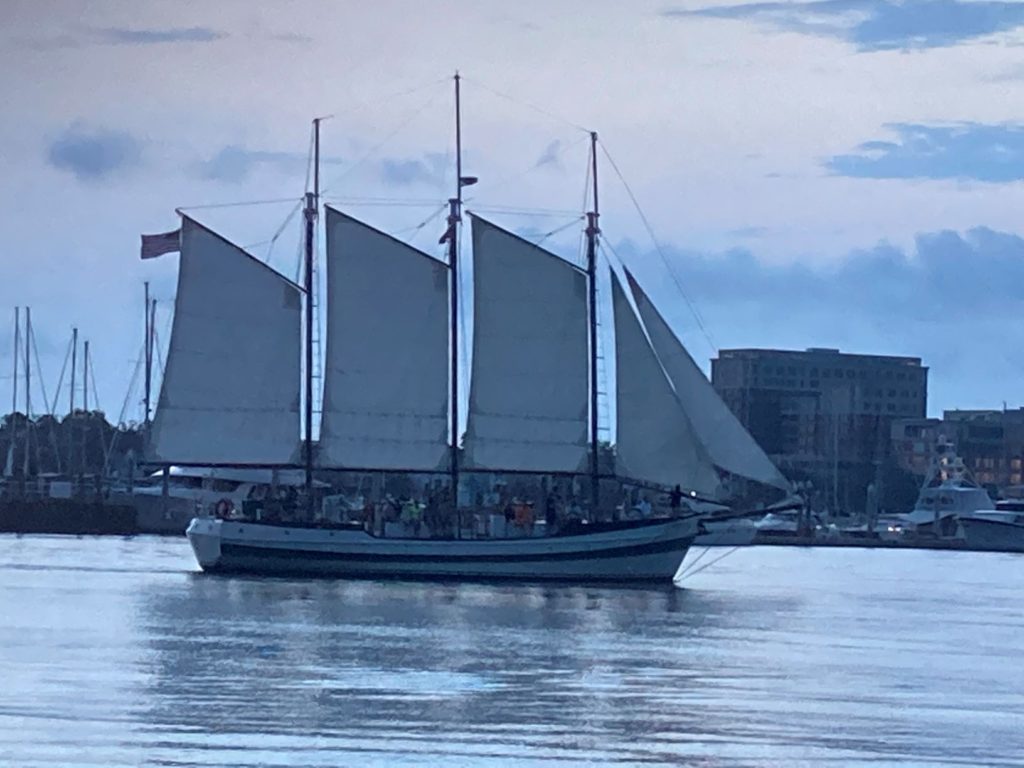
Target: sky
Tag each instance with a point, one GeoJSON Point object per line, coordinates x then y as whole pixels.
{"type": "Point", "coordinates": [837, 173]}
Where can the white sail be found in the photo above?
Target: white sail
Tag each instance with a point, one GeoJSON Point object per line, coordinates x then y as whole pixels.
{"type": "Point", "coordinates": [386, 376]}
{"type": "Point", "coordinates": [528, 396]}
{"type": "Point", "coordinates": [230, 392]}
{"type": "Point", "coordinates": [655, 441]}
{"type": "Point", "coordinates": [724, 438]}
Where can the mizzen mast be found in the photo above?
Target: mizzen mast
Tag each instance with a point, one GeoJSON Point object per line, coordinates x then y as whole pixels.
{"type": "Point", "coordinates": [593, 232]}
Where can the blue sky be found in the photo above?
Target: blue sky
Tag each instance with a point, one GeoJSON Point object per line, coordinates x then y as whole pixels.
{"type": "Point", "coordinates": [818, 173]}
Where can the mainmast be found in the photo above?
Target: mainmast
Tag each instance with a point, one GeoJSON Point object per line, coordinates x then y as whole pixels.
{"type": "Point", "coordinates": [593, 231]}
{"type": "Point", "coordinates": [454, 217]}
{"type": "Point", "coordinates": [312, 203]}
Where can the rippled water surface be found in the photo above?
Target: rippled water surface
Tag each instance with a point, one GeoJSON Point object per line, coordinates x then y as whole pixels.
{"type": "Point", "coordinates": [118, 652]}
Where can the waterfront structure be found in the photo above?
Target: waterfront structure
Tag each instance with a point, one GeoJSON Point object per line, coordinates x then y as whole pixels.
{"type": "Point", "coordinates": [822, 416]}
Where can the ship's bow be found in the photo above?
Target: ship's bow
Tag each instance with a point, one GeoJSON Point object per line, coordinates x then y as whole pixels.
{"type": "Point", "coordinates": [204, 534]}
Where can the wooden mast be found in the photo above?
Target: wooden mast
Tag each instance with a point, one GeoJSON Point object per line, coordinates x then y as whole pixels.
{"type": "Point", "coordinates": [593, 231]}
{"type": "Point", "coordinates": [454, 217]}
{"type": "Point", "coordinates": [312, 204]}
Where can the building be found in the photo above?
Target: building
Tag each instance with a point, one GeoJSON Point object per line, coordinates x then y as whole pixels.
{"type": "Point", "coordinates": [991, 444]}
{"type": "Point", "coordinates": [914, 443]}
{"type": "Point", "coordinates": [822, 415]}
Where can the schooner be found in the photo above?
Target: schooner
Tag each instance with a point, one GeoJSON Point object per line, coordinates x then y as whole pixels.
{"type": "Point", "coordinates": [232, 396]}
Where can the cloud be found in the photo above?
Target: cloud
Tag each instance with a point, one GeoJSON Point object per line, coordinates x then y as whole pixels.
{"type": "Point", "coordinates": [295, 38]}
{"type": "Point", "coordinates": [748, 233]}
{"type": "Point", "coordinates": [93, 154]}
{"type": "Point", "coordinates": [972, 151]}
{"type": "Point", "coordinates": [234, 163]}
{"type": "Point", "coordinates": [876, 25]}
{"type": "Point", "coordinates": [126, 36]}
{"type": "Point", "coordinates": [883, 300]}
{"type": "Point", "coordinates": [85, 36]}
{"type": "Point", "coordinates": [403, 172]}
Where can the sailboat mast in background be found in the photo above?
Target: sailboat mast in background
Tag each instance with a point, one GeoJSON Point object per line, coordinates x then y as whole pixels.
{"type": "Point", "coordinates": [147, 355]}
{"type": "Point", "coordinates": [593, 231]}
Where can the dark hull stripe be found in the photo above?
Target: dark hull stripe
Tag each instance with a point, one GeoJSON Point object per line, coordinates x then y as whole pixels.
{"type": "Point", "coordinates": [611, 553]}
{"type": "Point", "coordinates": [299, 572]}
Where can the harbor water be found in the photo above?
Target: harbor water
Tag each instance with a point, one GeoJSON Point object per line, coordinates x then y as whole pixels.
{"type": "Point", "coordinates": [118, 652]}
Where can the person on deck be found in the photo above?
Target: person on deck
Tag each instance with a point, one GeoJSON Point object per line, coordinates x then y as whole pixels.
{"type": "Point", "coordinates": [676, 499]}
{"type": "Point", "coordinates": [551, 513]}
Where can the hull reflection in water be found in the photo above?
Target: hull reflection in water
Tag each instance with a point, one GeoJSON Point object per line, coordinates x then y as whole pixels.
{"type": "Point", "coordinates": [650, 550]}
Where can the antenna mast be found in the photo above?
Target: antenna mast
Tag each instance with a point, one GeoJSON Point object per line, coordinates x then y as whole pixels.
{"type": "Point", "coordinates": [593, 231]}
{"type": "Point", "coordinates": [312, 204]}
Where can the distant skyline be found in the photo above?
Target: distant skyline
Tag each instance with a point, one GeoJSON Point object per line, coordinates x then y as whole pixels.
{"type": "Point", "coordinates": [832, 173]}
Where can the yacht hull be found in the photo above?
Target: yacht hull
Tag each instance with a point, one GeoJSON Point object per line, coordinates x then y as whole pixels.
{"type": "Point", "coordinates": [992, 535]}
{"type": "Point", "coordinates": [647, 551]}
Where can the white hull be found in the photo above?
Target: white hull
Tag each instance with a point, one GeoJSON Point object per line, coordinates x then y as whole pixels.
{"type": "Point", "coordinates": [648, 551]}
{"type": "Point", "coordinates": [994, 535]}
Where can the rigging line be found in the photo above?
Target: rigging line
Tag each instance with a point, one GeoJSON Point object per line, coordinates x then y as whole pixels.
{"type": "Point", "coordinates": [92, 378]}
{"type": "Point", "coordinates": [236, 205]}
{"type": "Point", "coordinates": [562, 228]}
{"type": "Point", "coordinates": [544, 212]}
{"type": "Point", "coordinates": [309, 156]}
{"type": "Point", "coordinates": [691, 572]}
{"type": "Point", "coordinates": [382, 204]}
{"type": "Point", "coordinates": [60, 379]}
{"type": "Point", "coordinates": [403, 200]}
{"type": "Point", "coordinates": [281, 229]}
{"type": "Point", "coordinates": [42, 382]}
{"type": "Point", "coordinates": [349, 110]}
{"type": "Point", "coordinates": [661, 252]}
{"type": "Point", "coordinates": [501, 183]}
{"type": "Point", "coordinates": [433, 215]}
{"type": "Point", "coordinates": [376, 147]}
{"type": "Point", "coordinates": [159, 356]}
{"type": "Point", "coordinates": [120, 418]}
{"type": "Point", "coordinates": [526, 104]}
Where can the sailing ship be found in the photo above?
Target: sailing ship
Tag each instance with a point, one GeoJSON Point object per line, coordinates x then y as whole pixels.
{"type": "Point", "coordinates": [390, 402]}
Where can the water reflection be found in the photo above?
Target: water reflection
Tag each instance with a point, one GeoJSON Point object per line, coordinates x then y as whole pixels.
{"type": "Point", "coordinates": [117, 652]}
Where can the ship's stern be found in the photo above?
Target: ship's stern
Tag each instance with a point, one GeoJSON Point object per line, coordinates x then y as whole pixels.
{"type": "Point", "coordinates": [204, 534]}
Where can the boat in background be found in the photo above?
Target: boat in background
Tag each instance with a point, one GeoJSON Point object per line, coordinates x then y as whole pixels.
{"type": "Point", "coordinates": [203, 491]}
{"type": "Point", "coordinates": [998, 530]}
{"type": "Point", "coordinates": [948, 495]}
